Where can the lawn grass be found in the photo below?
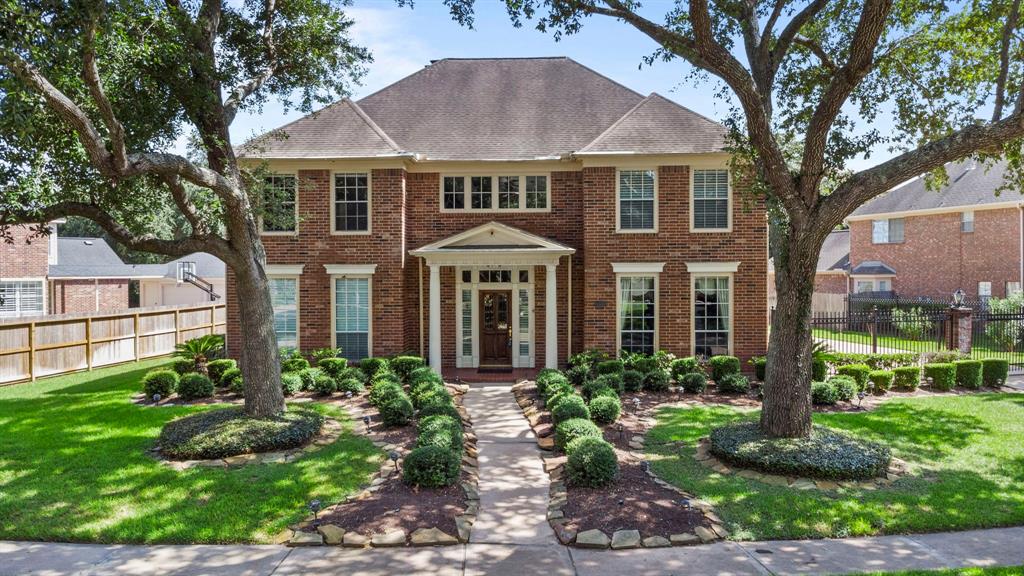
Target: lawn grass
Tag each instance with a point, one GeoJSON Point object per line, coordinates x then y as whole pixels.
{"type": "Point", "coordinates": [73, 468]}
{"type": "Point", "coordinates": [980, 346]}
{"type": "Point", "coordinates": [966, 456]}
{"type": "Point", "coordinates": [1003, 571]}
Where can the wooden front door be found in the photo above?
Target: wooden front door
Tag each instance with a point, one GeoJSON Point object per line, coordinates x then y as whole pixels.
{"type": "Point", "coordinates": [495, 328]}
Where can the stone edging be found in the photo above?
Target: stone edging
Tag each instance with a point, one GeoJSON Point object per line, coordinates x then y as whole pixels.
{"type": "Point", "coordinates": [897, 469]}
{"type": "Point", "coordinates": [596, 539]}
{"type": "Point", "coordinates": [329, 432]}
{"type": "Point", "coordinates": [333, 535]}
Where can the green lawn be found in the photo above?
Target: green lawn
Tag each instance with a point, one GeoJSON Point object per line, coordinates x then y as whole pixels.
{"type": "Point", "coordinates": [73, 467]}
{"type": "Point", "coordinates": [966, 454]}
{"type": "Point", "coordinates": [1007, 571]}
{"type": "Point", "coordinates": [981, 347]}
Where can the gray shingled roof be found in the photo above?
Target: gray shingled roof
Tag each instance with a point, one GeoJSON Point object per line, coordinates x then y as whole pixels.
{"type": "Point", "coordinates": [493, 109]}
{"type": "Point", "coordinates": [834, 255]}
{"type": "Point", "coordinates": [872, 267]}
{"type": "Point", "coordinates": [208, 267]}
{"type": "Point", "coordinates": [89, 258]}
{"type": "Point", "coordinates": [969, 184]}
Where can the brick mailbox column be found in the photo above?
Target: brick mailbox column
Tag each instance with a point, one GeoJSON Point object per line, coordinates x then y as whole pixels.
{"type": "Point", "coordinates": [960, 329]}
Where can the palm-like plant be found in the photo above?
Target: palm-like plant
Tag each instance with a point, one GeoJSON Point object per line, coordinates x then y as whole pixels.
{"type": "Point", "coordinates": [199, 350]}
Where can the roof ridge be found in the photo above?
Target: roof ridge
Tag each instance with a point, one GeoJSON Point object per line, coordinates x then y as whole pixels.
{"type": "Point", "coordinates": [373, 125]}
{"type": "Point", "coordinates": [503, 58]}
{"type": "Point", "coordinates": [691, 111]}
{"type": "Point", "coordinates": [616, 124]}
{"type": "Point", "coordinates": [612, 80]}
{"type": "Point", "coordinates": [289, 124]}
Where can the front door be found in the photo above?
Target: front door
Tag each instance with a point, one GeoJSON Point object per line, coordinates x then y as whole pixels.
{"type": "Point", "coordinates": [495, 328]}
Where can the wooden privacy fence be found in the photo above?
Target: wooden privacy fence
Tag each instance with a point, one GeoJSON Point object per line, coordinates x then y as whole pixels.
{"type": "Point", "coordinates": [48, 345]}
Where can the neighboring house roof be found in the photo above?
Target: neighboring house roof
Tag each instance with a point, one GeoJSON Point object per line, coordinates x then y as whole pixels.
{"type": "Point", "coordinates": [834, 255]}
{"type": "Point", "coordinates": [208, 267]}
{"type": "Point", "coordinates": [970, 184]}
{"type": "Point", "coordinates": [872, 268]}
{"type": "Point", "coordinates": [494, 109]}
{"type": "Point", "coordinates": [89, 258]}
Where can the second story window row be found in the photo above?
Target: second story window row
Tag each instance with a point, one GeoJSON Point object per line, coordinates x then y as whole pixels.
{"type": "Point", "coordinates": [351, 203]}
{"type": "Point", "coordinates": [887, 231]}
{"type": "Point", "coordinates": [495, 193]}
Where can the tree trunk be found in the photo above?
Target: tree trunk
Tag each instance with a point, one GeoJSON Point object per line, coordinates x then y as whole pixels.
{"type": "Point", "coordinates": [259, 359]}
{"type": "Point", "coordinates": [786, 408]}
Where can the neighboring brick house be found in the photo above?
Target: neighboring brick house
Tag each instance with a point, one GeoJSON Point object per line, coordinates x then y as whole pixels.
{"type": "Point", "coordinates": [832, 276]}
{"type": "Point", "coordinates": [503, 214]}
{"type": "Point", "coordinates": [915, 242]}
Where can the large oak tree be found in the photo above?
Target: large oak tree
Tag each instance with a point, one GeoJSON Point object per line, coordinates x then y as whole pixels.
{"type": "Point", "coordinates": [94, 93]}
{"type": "Point", "coordinates": [806, 81]}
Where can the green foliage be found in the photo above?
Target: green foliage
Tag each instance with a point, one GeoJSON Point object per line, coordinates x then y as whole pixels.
{"type": "Point", "coordinates": [969, 374]}
{"type": "Point", "coordinates": [333, 367]}
{"type": "Point", "coordinates": [353, 385]}
{"type": "Point", "coordinates": [558, 387]}
{"type": "Point", "coordinates": [438, 404]}
{"type": "Point", "coordinates": [308, 377]}
{"type": "Point", "coordinates": [590, 389]}
{"type": "Point", "coordinates": [229, 432]}
{"type": "Point", "coordinates": [290, 383]}
{"type": "Point", "coordinates": [995, 371]}
{"type": "Point", "coordinates": [548, 377]}
{"type": "Point", "coordinates": [424, 374]}
{"type": "Point", "coordinates": [632, 380]}
{"type": "Point", "coordinates": [232, 380]}
{"type": "Point", "coordinates": [162, 382]}
{"type": "Point", "coordinates": [1006, 335]}
{"type": "Point", "coordinates": [859, 372]}
{"type": "Point", "coordinates": [912, 323]}
{"type": "Point", "coordinates": [383, 392]}
{"type": "Point", "coordinates": [572, 429]}
{"type": "Point", "coordinates": [656, 381]}
{"type": "Point", "coordinates": [431, 467]}
{"type": "Point", "coordinates": [216, 369]}
{"type": "Point", "coordinates": [321, 354]}
{"type": "Point", "coordinates": [642, 364]}
{"type": "Point", "coordinates": [694, 382]}
{"type": "Point", "coordinates": [572, 406]}
{"type": "Point", "coordinates": [881, 380]}
{"type": "Point", "coordinates": [819, 368]}
{"type": "Point", "coordinates": [611, 367]}
{"type": "Point", "coordinates": [199, 350]}
{"type": "Point", "coordinates": [372, 365]}
{"type": "Point", "coordinates": [404, 366]}
{"type": "Point", "coordinates": [440, 430]}
{"type": "Point", "coordinates": [591, 462]}
{"type": "Point", "coordinates": [397, 411]}
{"type": "Point", "coordinates": [323, 384]}
{"type": "Point", "coordinates": [942, 375]}
{"type": "Point", "coordinates": [906, 377]}
{"type": "Point", "coordinates": [825, 454]}
{"type": "Point", "coordinates": [616, 381]}
{"type": "Point", "coordinates": [183, 366]}
{"type": "Point", "coordinates": [733, 384]}
{"type": "Point", "coordinates": [294, 362]}
{"type": "Point", "coordinates": [682, 366]}
{"type": "Point", "coordinates": [760, 364]}
{"type": "Point", "coordinates": [605, 408]}
{"type": "Point", "coordinates": [589, 358]}
{"type": "Point", "coordinates": [384, 376]}
{"type": "Point", "coordinates": [824, 393]}
{"type": "Point", "coordinates": [194, 385]}
{"type": "Point", "coordinates": [722, 366]}
{"type": "Point", "coordinates": [579, 375]}
{"type": "Point", "coordinates": [846, 387]}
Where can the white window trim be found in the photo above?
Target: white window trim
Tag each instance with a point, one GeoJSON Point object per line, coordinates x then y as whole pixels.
{"type": "Point", "coordinates": [474, 286]}
{"type": "Point", "coordinates": [966, 217]}
{"type": "Point", "coordinates": [285, 232]}
{"type": "Point", "coordinates": [369, 205]}
{"type": "Point", "coordinates": [350, 269]}
{"type": "Point", "coordinates": [41, 280]}
{"type": "Point", "coordinates": [284, 269]}
{"type": "Point", "coordinates": [694, 275]}
{"type": "Point", "coordinates": [618, 307]}
{"type": "Point", "coordinates": [989, 295]}
{"type": "Point", "coordinates": [874, 279]}
{"type": "Point", "coordinates": [638, 268]}
{"type": "Point", "coordinates": [298, 299]}
{"type": "Point", "coordinates": [888, 230]}
{"type": "Point", "coordinates": [369, 304]}
{"type": "Point", "coordinates": [712, 268]}
{"type": "Point", "coordinates": [728, 203]}
{"type": "Point", "coordinates": [467, 193]}
{"type": "Point", "coordinates": [618, 201]}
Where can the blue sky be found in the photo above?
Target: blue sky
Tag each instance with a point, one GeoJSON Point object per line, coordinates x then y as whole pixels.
{"type": "Point", "coordinates": [404, 40]}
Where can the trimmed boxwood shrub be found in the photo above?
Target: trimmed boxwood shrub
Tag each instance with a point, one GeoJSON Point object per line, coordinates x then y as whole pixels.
{"type": "Point", "coordinates": [383, 392]}
{"type": "Point", "coordinates": [229, 432]}
{"type": "Point", "coordinates": [290, 383]}
{"type": "Point", "coordinates": [722, 366]}
{"type": "Point", "coordinates": [656, 381]}
{"type": "Point", "coordinates": [859, 372]}
{"type": "Point", "coordinates": [546, 377]}
{"type": "Point", "coordinates": [881, 380]}
{"type": "Point", "coordinates": [432, 467]}
{"type": "Point", "coordinates": [162, 382]}
{"type": "Point", "coordinates": [384, 375]}
{"type": "Point", "coordinates": [308, 377]}
{"type": "Point", "coordinates": [969, 373]}
{"type": "Point", "coordinates": [644, 364]}
{"type": "Point", "coordinates": [232, 379]}
{"type": "Point", "coordinates": [571, 406]}
{"type": "Point", "coordinates": [819, 368]}
{"type": "Point", "coordinates": [216, 369]}
{"type": "Point", "coordinates": [632, 381]}
{"type": "Point", "coordinates": [760, 364]}
{"type": "Point", "coordinates": [825, 454]}
{"type": "Point", "coordinates": [824, 393]}
{"type": "Point", "coordinates": [846, 387]}
{"type": "Point", "coordinates": [424, 389]}
{"type": "Point", "coordinates": [333, 367]}
{"type": "Point", "coordinates": [605, 409]}
{"type": "Point", "coordinates": [323, 384]}
{"type": "Point", "coordinates": [372, 365]}
{"type": "Point", "coordinates": [942, 375]}
{"type": "Point", "coordinates": [353, 385]}
{"type": "Point", "coordinates": [422, 373]}
{"type": "Point", "coordinates": [294, 363]}
{"type": "Point", "coordinates": [404, 365]}
{"type": "Point", "coordinates": [611, 367]}
{"type": "Point", "coordinates": [995, 371]}
{"type": "Point", "coordinates": [195, 385]}
{"type": "Point", "coordinates": [438, 404]}
{"type": "Point", "coordinates": [682, 366]}
{"type": "Point", "coordinates": [183, 366]}
{"type": "Point", "coordinates": [906, 377]}
{"type": "Point", "coordinates": [557, 398]}
{"type": "Point", "coordinates": [615, 381]}
{"type": "Point", "coordinates": [574, 428]}
{"type": "Point", "coordinates": [440, 430]}
{"type": "Point", "coordinates": [396, 411]}
{"type": "Point", "coordinates": [591, 463]}
{"type": "Point", "coordinates": [590, 389]}
{"type": "Point", "coordinates": [733, 384]}
{"type": "Point", "coordinates": [578, 375]}
{"type": "Point", "coordinates": [694, 382]}
{"type": "Point", "coordinates": [557, 388]}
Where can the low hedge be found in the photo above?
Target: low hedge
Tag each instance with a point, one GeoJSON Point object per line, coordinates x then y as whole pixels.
{"type": "Point", "coordinates": [183, 366]}
{"type": "Point", "coordinates": [194, 385]}
{"type": "Point", "coordinates": [859, 372]}
{"type": "Point", "coordinates": [294, 363]}
{"type": "Point", "coordinates": [694, 382]}
{"type": "Point", "coordinates": [589, 389]}
{"type": "Point", "coordinates": [591, 462]}
{"type": "Point", "coordinates": [644, 364]}
{"type": "Point", "coordinates": [308, 377]}
{"type": "Point", "coordinates": [579, 375]}
{"type": "Point", "coordinates": [682, 366]}
{"type": "Point", "coordinates": [217, 368]}
{"type": "Point", "coordinates": [372, 365]}
{"type": "Point", "coordinates": [323, 384]}
{"type": "Point", "coordinates": [610, 367]}
{"type": "Point", "coordinates": [760, 364]}
{"type": "Point", "coordinates": [229, 432]}
{"type": "Point", "coordinates": [397, 411]}
{"type": "Point", "coordinates": [333, 367]}
{"type": "Point", "coordinates": [558, 388]}
{"type": "Point", "coordinates": [547, 377]}
{"type": "Point", "coordinates": [722, 366]}
{"type": "Point", "coordinates": [162, 382]}
{"type": "Point", "coordinates": [733, 384]}
{"type": "Point", "coordinates": [349, 384]}
{"type": "Point", "coordinates": [942, 375]}
{"type": "Point", "coordinates": [574, 428]}
{"type": "Point", "coordinates": [846, 387]}
{"type": "Point", "coordinates": [438, 405]}
{"type": "Point", "coordinates": [605, 409]}
{"type": "Point", "coordinates": [656, 381]}
{"type": "Point", "coordinates": [969, 374]}
{"type": "Point", "coordinates": [440, 430]}
{"type": "Point", "coordinates": [431, 467]}
{"type": "Point", "coordinates": [383, 392]}
{"type": "Point", "coordinates": [906, 377]}
{"type": "Point", "coordinates": [819, 368]}
{"type": "Point", "coordinates": [995, 371]}
{"type": "Point", "coordinates": [290, 383]}
{"type": "Point", "coordinates": [824, 393]}
{"type": "Point", "coordinates": [404, 366]}
{"type": "Point", "coordinates": [632, 380]}
{"type": "Point", "coordinates": [232, 379]}
{"type": "Point", "coordinates": [825, 454]}
{"type": "Point", "coordinates": [572, 406]}
{"type": "Point", "coordinates": [881, 380]}
{"type": "Point", "coordinates": [616, 380]}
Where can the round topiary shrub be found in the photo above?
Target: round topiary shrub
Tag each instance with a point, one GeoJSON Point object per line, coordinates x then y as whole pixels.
{"type": "Point", "coordinates": [193, 385]}
{"type": "Point", "coordinates": [290, 383]}
{"type": "Point", "coordinates": [353, 385]}
{"type": "Point", "coordinates": [431, 467]}
{"type": "Point", "coordinates": [995, 371]}
{"type": "Point", "coordinates": [733, 384]}
{"type": "Point", "coordinates": [760, 364]}
{"type": "Point", "coordinates": [616, 381]}
{"type": "Point", "coordinates": [632, 380]}
{"type": "Point", "coordinates": [183, 366]}
{"type": "Point", "coordinates": [825, 454]}
{"type": "Point", "coordinates": [558, 388]}
{"type": "Point", "coordinates": [554, 400]}
{"type": "Point", "coordinates": [162, 382]}
{"type": "Point", "coordinates": [425, 388]}
{"type": "Point", "coordinates": [605, 409]}
{"type": "Point", "coordinates": [433, 393]}
{"type": "Point", "coordinates": [384, 375]}
{"type": "Point", "coordinates": [355, 374]}
{"type": "Point", "coordinates": [333, 367]}
{"type": "Point", "coordinates": [591, 463]}
{"type": "Point", "coordinates": [308, 377]}
{"type": "Point", "coordinates": [217, 368]}
{"type": "Point", "coordinates": [824, 393]}
{"type": "Point", "coordinates": [604, 392]}
{"type": "Point", "coordinates": [371, 365]}
{"type": "Point", "coordinates": [906, 377]}
{"type": "Point", "coordinates": [229, 432]}
{"type": "Point", "coordinates": [383, 392]}
{"type": "Point", "coordinates": [232, 379]}
{"type": "Point", "coordinates": [574, 428]}
{"type": "Point", "coordinates": [572, 406]}
{"type": "Point", "coordinates": [881, 380]}
{"type": "Point", "coordinates": [422, 373]}
{"type": "Point", "coordinates": [611, 367]}
{"type": "Point", "coordinates": [969, 374]}
{"type": "Point", "coordinates": [722, 366]}
{"type": "Point", "coordinates": [693, 382]}
{"type": "Point", "coordinates": [590, 389]}
{"type": "Point", "coordinates": [545, 378]}
{"type": "Point", "coordinates": [846, 387]}
{"type": "Point", "coordinates": [438, 404]}
{"type": "Point", "coordinates": [645, 364]}
{"type": "Point", "coordinates": [682, 366]}
{"type": "Point", "coordinates": [579, 375]}
{"type": "Point", "coordinates": [397, 411]}
{"type": "Point", "coordinates": [819, 368]}
{"type": "Point", "coordinates": [439, 430]}
{"type": "Point", "coordinates": [323, 385]}
{"type": "Point", "coordinates": [295, 363]}
{"type": "Point", "coordinates": [859, 372]}
{"type": "Point", "coordinates": [656, 381]}
{"type": "Point", "coordinates": [941, 374]}
{"type": "Point", "coordinates": [404, 366]}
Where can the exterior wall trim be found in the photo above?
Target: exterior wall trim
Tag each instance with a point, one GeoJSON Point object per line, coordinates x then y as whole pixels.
{"type": "Point", "coordinates": [932, 211]}
{"type": "Point", "coordinates": [712, 268]}
{"type": "Point", "coordinates": [350, 269]}
{"type": "Point", "coordinates": [284, 269]}
{"type": "Point", "coordinates": [638, 267]}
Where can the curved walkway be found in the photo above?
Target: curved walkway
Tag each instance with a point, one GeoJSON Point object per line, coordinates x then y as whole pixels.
{"type": "Point", "coordinates": [512, 536]}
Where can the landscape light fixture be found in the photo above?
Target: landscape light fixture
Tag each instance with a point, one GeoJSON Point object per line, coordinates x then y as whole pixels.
{"type": "Point", "coordinates": [314, 507]}
{"type": "Point", "coordinates": [621, 429]}
{"type": "Point", "coordinates": [156, 398]}
{"type": "Point", "coordinates": [394, 458]}
{"type": "Point", "coordinates": [366, 422]}
{"type": "Point", "coordinates": [860, 398]}
{"type": "Point", "coordinates": [636, 404]}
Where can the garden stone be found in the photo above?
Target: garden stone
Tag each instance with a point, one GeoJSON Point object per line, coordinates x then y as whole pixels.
{"type": "Point", "coordinates": [354, 540]}
{"type": "Point", "coordinates": [565, 535]}
{"type": "Point", "coordinates": [463, 524]}
{"type": "Point", "coordinates": [622, 539]}
{"type": "Point", "coordinates": [685, 539]}
{"type": "Point", "coordinates": [554, 513]}
{"type": "Point", "coordinates": [432, 537]}
{"type": "Point", "coordinates": [389, 539]}
{"type": "Point", "coordinates": [706, 535]}
{"type": "Point", "coordinates": [333, 535]}
{"type": "Point", "coordinates": [656, 542]}
{"type": "Point", "coordinates": [804, 484]}
{"type": "Point", "coordinates": [775, 480]}
{"type": "Point", "coordinates": [826, 485]}
{"type": "Point", "coordinates": [546, 443]}
{"type": "Point", "coordinates": [592, 539]}
{"type": "Point", "coordinates": [720, 530]}
{"type": "Point", "coordinates": [306, 539]}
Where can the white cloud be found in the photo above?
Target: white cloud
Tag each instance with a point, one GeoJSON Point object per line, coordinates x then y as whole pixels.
{"type": "Point", "coordinates": [391, 37]}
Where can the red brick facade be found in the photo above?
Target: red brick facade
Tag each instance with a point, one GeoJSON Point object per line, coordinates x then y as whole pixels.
{"type": "Point", "coordinates": [74, 296]}
{"type": "Point", "coordinates": [831, 283]}
{"type": "Point", "coordinates": [27, 256]}
{"type": "Point", "coordinates": [405, 215]}
{"type": "Point", "coordinates": [936, 258]}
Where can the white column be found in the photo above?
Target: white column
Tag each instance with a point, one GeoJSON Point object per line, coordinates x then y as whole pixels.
{"type": "Point", "coordinates": [551, 318]}
{"type": "Point", "coordinates": [434, 336]}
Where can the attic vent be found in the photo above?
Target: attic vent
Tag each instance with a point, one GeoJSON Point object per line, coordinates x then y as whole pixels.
{"type": "Point", "coordinates": [87, 242]}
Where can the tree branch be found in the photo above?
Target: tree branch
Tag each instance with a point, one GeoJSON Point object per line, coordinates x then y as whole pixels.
{"type": "Point", "coordinates": [242, 91]}
{"type": "Point", "coordinates": [781, 47]}
{"type": "Point", "coordinates": [817, 50]}
{"type": "Point", "coordinates": [1004, 61]}
{"type": "Point", "coordinates": [91, 74]}
{"type": "Point", "coordinates": [184, 203]}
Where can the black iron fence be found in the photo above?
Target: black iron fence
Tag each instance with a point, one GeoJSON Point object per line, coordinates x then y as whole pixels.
{"type": "Point", "coordinates": [999, 334]}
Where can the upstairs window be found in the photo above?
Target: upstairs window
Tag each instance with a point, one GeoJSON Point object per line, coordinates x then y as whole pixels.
{"type": "Point", "coordinates": [480, 193]}
{"type": "Point", "coordinates": [636, 201]}
{"type": "Point", "coordinates": [454, 193]}
{"type": "Point", "coordinates": [967, 221]}
{"type": "Point", "coordinates": [711, 200]}
{"type": "Point", "coordinates": [495, 193]}
{"type": "Point", "coordinates": [887, 231]}
{"type": "Point", "coordinates": [352, 203]}
{"type": "Point", "coordinates": [279, 204]}
{"type": "Point", "coordinates": [537, 192]}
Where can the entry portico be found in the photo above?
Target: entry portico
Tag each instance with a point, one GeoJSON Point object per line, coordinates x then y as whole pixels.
{"type": "Point", "coordinates": [495, 279]}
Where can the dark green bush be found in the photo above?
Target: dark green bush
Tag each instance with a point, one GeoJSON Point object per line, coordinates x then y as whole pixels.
{"type": "Point", "coordinates": [694, 382]}
{"type": "Point", "coordinates": [229, 432]}
{"type": "Point", "coordinates": [846, 387]}
{"type": "Point", "coordinates": [308, 377]}
{"type": "Point", "coordinates": [591, 388]}
{"type": "Point", "coordinates": [605, 409]}
{"type": "Point", "coordinates": [944, 357]}
{"type": "Point", "coordinates": [995, 371]}
{"type": "Point", "coordinates": [333, 367]}
{"type": "Point", "coordinates": [942, 375]}
{"type": "Point", "coordinates": [352, 385]}
{"type": "Point", "coordinates": [722, 366]}
{"type": "Point", "coordinates": [579, 375]}
{"type": "Point", "coordinates": [656, 381]}
{"type": "Point", "coordinates": [384, 375]}
{"type": "Point", "coordinates": [859, 372]}
{"type": "Point", "coordinates": [571, 407]}
{"type": "Point", "coordinates": [372, 365]}
{"type": "Point", "coordinates": [232, 379]}
{"type": "Point", "coordinates": [760, 364]}
{"type": "Point", "coordinates": [644, 364]}
{"type": "Point", "coordinates": [969, 374]}
{"type": "Point", "coordinates": [611, 367]}
{"type": "Point", "coordinates": [591, 463]}
{"type": "Point", "coordinates": [294, 363]}
{"type": "Point", "coordinates": [557, 387]}
{"type": "Point", "coordinates": [422, 373]}
{"type": "Point", "coordinates": [616, 381]}
{"type": "Point", "coordinates": [290, 383]}
{"type": "Point", "coordinates": [216, 369]}
{"type": "Point", "coordinates": [427, 393]}
{"type": "Point", "coordinates": [404, 366]}
{"type": "Point", "coordinates": [323, 385]}
{"type": "Point", "coordinates": [682, 366]}
{"type": "Point", "coordinates": [589, 358]}
{"type": "Point", "coordinates": [825, 454]}
{"type": "Point", "coordinates": [440, 430]}
{"type": "Point", "coordinates": [546, 377]}
{"type": "Point", "coordinates": [383, 392]}
{"type": "Point", "coordinates": [733, 384]}
{"type": "Point", "coordinates": [632, 380]}
{"type": "Point", "coordinates": [397, 411]}
{"type": "Point", "coordinates": [906, 377]}
{"type": "Point", "coordinates": [438, 405]}
{"type": "Point", "coordinates": [881, 380]}
{"type": "Point", "coordinates": [819, 368]}
{"type": "Point", "coordinates": [432, 467]}
{"type": "Point", "coordinates": [356, 374]}
{"type": "Point", "coordinates": [824, 393]}
{"type": "Point", "coordinates": [195, 385]}
{"type": "Point", "coordinates": [574, 428]}
{"type": "Point", "coordinates": [557, 398]}
{"type": "Point", "coordinates": [162, 382]}
{"type": "Point", "coordinates": [890, 361]}
{"type": "Point", "coordinates": [183, 366]}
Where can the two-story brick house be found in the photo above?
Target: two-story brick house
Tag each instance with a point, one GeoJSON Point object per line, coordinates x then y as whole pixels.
{"type": "Point", "coordinates": [505, 213]}
{"type": "Point", "coordinates": [918, 242]}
